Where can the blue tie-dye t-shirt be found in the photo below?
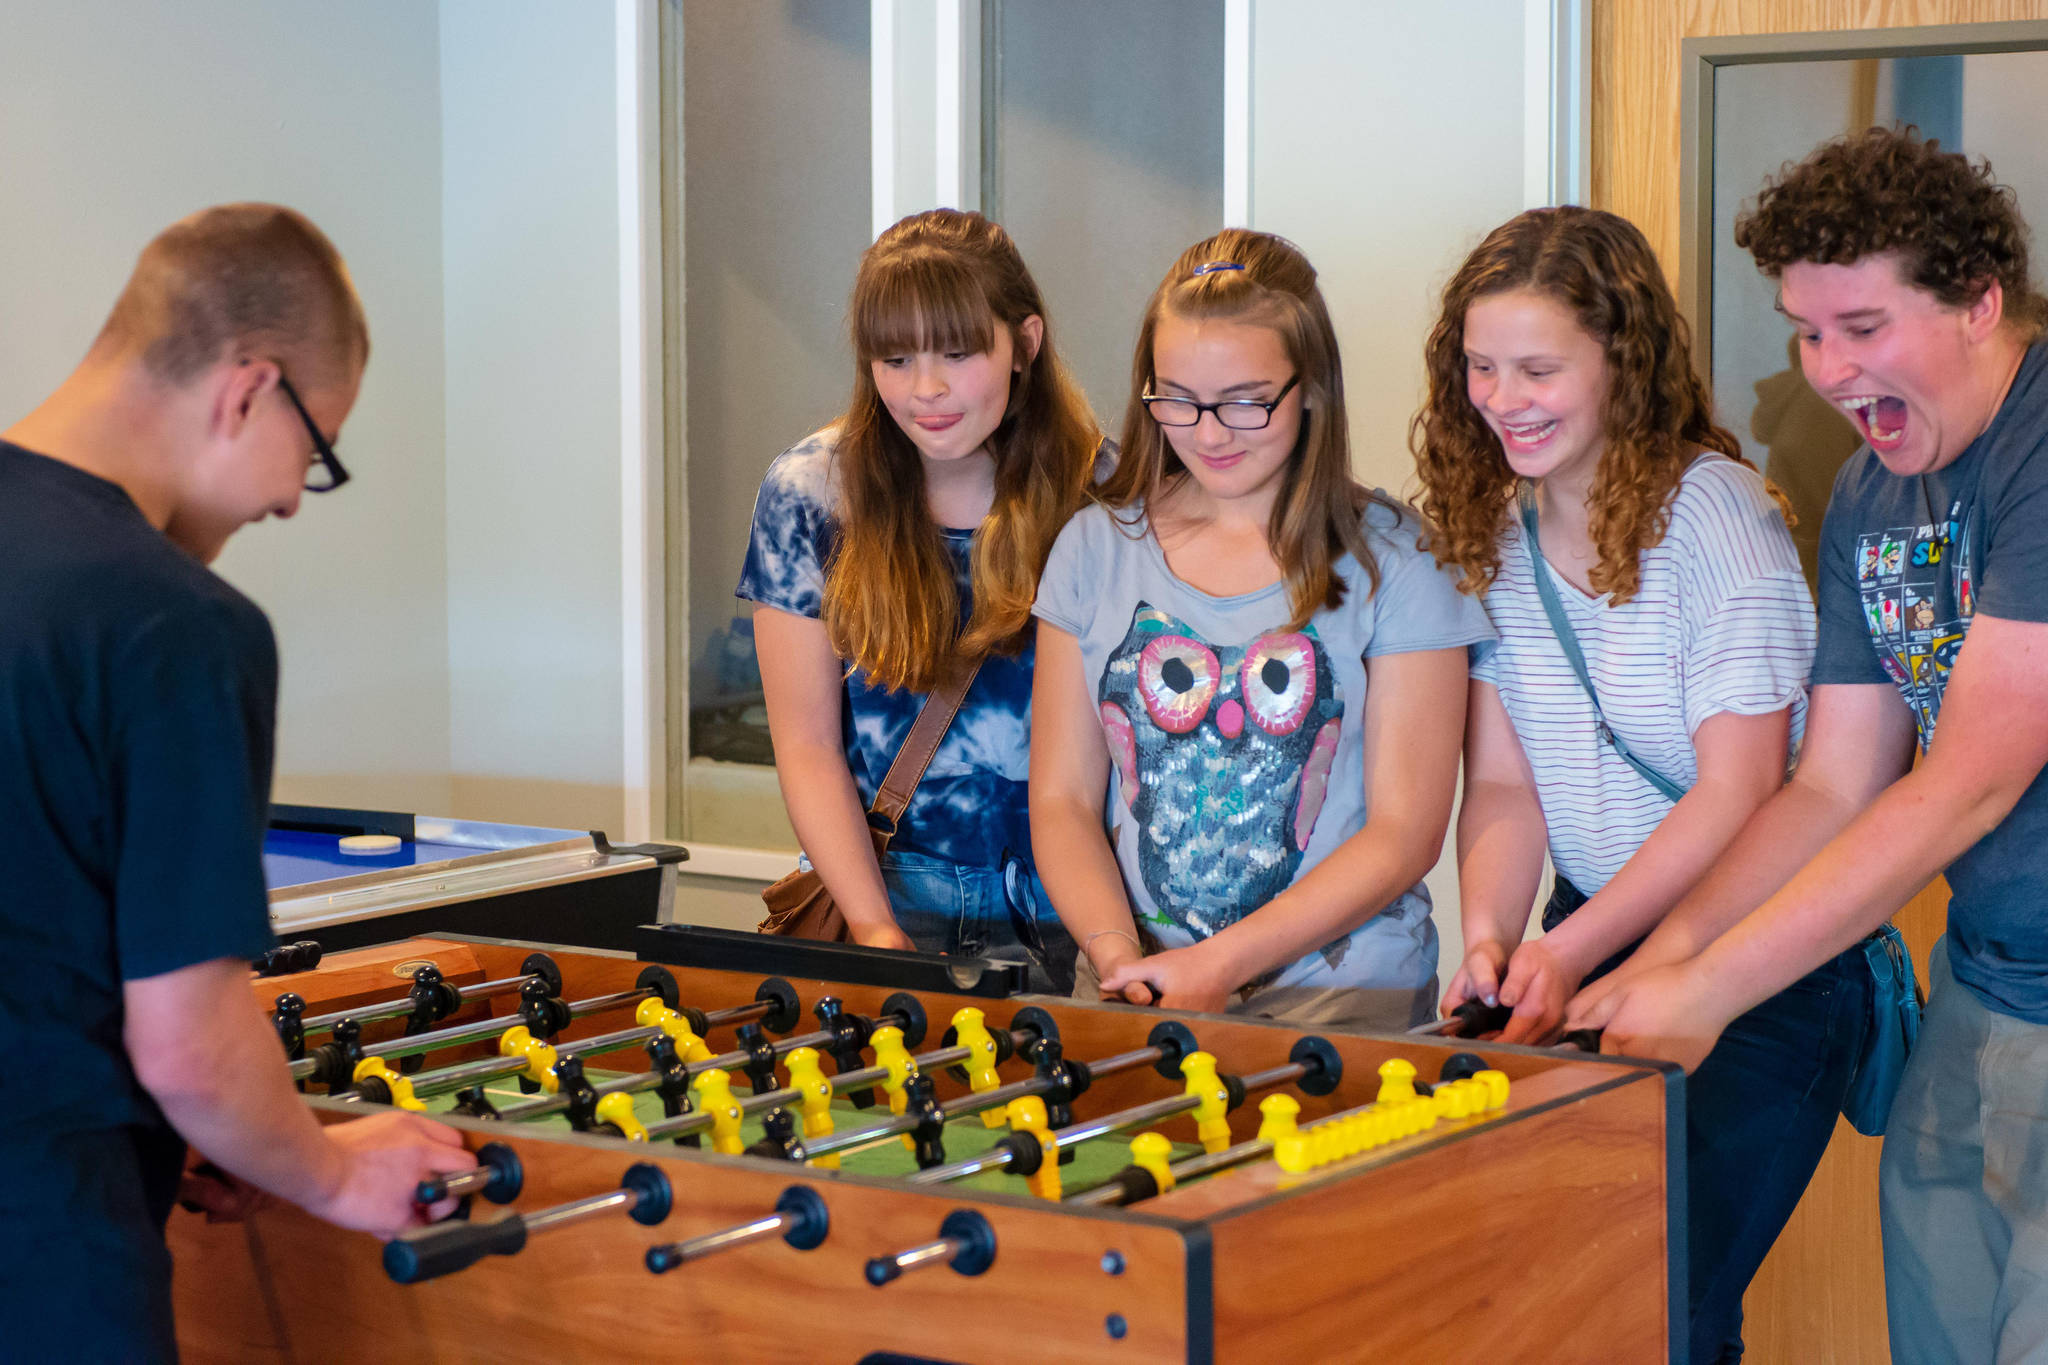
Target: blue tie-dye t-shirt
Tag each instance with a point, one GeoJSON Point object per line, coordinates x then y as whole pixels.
{"type": "Point", "coordinates": [971, 806]}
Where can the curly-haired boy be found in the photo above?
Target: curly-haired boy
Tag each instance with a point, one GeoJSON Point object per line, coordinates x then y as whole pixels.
{"type": "Point", "coordinates": [1904, 269]}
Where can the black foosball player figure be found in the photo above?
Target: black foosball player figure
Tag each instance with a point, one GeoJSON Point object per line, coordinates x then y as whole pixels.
{"type": "Point", "coordinates": [138, 699]}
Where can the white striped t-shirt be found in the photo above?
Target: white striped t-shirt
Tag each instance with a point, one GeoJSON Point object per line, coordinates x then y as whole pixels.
{"type": "Point", "coordinates": [1723, 622]}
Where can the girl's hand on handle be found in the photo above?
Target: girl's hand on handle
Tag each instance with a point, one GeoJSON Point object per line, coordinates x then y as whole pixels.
{"type": "Point", "coordinates": [1178, 979]}
{"type": "Point", "coordinates": [1479, 977]}
{"type": "Point", "coordinates": [1539, 985]}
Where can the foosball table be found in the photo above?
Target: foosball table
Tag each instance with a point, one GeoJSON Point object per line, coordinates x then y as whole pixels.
{"type": "Point", "coordinates": [684, 1157]}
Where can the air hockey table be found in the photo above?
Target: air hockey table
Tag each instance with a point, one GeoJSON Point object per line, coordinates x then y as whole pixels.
{"type": "Point", "coordinates": [459, 876]}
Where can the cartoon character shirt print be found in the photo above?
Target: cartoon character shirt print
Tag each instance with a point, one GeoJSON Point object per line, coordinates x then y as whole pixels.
{"type": "Point", "coordinates": [1907, 565]}
{"type": "Point", "coordinates": [1915, 583]}
{"type": "Point", "coordinates": [1236, 744]}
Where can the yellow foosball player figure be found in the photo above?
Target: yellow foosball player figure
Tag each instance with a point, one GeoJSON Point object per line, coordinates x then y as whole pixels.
{"type": "Point", "coordinates": [138, 700]}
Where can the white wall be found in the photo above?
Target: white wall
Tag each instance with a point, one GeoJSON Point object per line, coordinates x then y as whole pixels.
{"type": "Point", "coordinates": [1386, 141]}
{"type": "Point", "coordinates": [1110, 163]}
{"type": "Point", "coordinates": [530, 200]}
{"type": "Point", "coordinates": [114, 123]}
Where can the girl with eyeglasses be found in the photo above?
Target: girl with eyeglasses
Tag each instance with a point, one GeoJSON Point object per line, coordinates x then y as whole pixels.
{"type": "Point", "coordinates": [1579, 485]}
{"type": "Point", "coordinates": [1244, 649]}
{"type": "Point", "coordinates": [893, 545]}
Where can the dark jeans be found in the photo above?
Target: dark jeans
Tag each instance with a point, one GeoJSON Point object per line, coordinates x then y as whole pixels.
{"type": "Point", "coordinates": [1758, 1115]}
{"type": "Point", "coordinates": [999, 913]}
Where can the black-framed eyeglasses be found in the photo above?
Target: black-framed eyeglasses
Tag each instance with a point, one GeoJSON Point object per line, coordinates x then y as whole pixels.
{"type": "Point", "coordinates": [1239, 414]}
{"type": "Point", "coordinates": [326, 473]}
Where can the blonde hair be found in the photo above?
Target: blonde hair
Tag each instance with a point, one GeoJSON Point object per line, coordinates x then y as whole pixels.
{"type": "Point", "coordinates": [1318, 516]}
{"type": "Point", "coordinates": [944, 281]}
{"type": "Point", "coordinates": [255, 276]}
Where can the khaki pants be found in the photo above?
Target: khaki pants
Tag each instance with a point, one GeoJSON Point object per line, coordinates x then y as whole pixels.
{"type": "Point", "coordinates": [1964, 1186]}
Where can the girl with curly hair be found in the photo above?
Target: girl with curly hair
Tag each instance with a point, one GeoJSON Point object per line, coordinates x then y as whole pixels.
{"type": "Point", "coordinates": [896, 546]}
{"type": "Point", "coordinates": [1576, 478]}
{"type": "Point", "coordinates": [1250, 673]}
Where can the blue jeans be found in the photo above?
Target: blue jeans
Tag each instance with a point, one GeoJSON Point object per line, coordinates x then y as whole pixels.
{"type": "Point", "coordinates": [1758, 1116]}
{"type": "Point", "coordinates": [999, 913]}
{"type": "Point", "coordinates": [1964, 1186]}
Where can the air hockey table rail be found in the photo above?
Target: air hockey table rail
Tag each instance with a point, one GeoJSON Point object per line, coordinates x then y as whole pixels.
{"type": "Point", "coordinates": [463, 876]}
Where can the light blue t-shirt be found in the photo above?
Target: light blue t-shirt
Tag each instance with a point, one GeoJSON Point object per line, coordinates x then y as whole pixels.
{"type": "Point", "coordinates": [971, 808]}
{"type": "Point", "coordinates": [1237, 746]}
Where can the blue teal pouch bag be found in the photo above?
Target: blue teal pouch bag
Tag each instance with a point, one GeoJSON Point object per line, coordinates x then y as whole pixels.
{"type": "Point", "coordinates": [1894, 1028]}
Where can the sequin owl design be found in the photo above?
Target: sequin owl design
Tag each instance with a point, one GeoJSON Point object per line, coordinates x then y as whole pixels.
{"type": "Point", "coordinates": [1224, 754]}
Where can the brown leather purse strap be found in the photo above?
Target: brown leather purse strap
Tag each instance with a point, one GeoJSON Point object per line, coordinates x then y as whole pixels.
{"type": "Point", "coordinates": [934, 718]}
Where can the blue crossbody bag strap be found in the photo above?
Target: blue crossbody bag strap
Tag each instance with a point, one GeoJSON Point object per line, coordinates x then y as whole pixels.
{"type": "Point", "coordinates": [1568, 639]}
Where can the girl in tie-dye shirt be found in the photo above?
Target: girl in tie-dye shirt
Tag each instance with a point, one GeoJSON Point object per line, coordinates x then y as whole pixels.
{"type": "Point", "coordinates": [903, 538]}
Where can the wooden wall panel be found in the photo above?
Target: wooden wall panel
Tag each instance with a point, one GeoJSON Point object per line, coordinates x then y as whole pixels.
{"type": "Point", "coordinates": [1636, 73]}
{"type": "Point", "coordinates": [1819, 1299]}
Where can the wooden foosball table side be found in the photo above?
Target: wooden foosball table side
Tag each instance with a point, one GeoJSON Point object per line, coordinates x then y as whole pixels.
{"type": "Point", "coordinates": [1550, 1239]}
{"type": "Point", "coordinates": [284, 1287]}
{"type": "Point", "coordinates": [1525, 1238]}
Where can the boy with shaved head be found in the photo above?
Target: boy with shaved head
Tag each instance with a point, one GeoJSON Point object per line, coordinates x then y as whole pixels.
{"type": "Point", "coordinates": [138, 697]}
{"type": "Point", "coordinates": [1904, 270]}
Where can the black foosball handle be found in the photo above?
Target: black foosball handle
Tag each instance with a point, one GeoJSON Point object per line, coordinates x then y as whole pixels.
{"type": "Point", "coordinates": [1475, 1017]}
{"type": "Point", "coordinates": [1584, 1039]}
{"type": "Point", "coordinates": [288, 959]}
{"type": "Point", "coordinates": [450, 1247]}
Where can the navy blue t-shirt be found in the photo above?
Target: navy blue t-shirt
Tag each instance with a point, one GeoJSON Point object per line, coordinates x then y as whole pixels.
{"type": "Point", "coordinates": [1906, 563]}
{"type": "Point", "coordinates": [138, 699]}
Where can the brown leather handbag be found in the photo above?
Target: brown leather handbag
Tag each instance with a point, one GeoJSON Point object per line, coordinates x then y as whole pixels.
{"type": "Point", "coordinates": [799, 906]}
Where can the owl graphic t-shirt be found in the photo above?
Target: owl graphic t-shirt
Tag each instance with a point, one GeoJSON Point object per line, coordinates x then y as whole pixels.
{"type": "Point", "coordinates": [1236, 744]}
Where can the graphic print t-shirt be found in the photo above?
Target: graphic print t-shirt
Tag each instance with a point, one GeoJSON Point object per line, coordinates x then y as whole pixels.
{"type": "Point", "coordinates": [1236, 745]}
{"type": "Point", "coordinates": [970, 808]}
{"type": "Point", "coordinates": [1906, 564]}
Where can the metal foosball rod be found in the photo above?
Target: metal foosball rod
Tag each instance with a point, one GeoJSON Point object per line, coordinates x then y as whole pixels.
{"type": "Point", "coordinates": [1056, 1080]}
{"type": "Point", "coordinates": [535, 1059]}
{"type": "Point", "coordinates": [1313, 1065]}
{"type": "Point", "coordinates": [902, 1011]}
{"type": "Point", "coordinates": [432, 994]}
{"type": "Point", "coordinates": [643, 1194]}
{"type": "Point", "coordinates": [498, 1176]}
{"type": "Point", "coordinates": [800, 1217]}
{"type": "Point", "coordinates": [541, 1011]}
{"type": "Point", "coordinates": [524, 1053]}
{"type": "Point", "coordinates": [965, 1242]}
{"type": "Point", "coordinates": [890, 1073]}
{"type": "Point", "coordinates": [1401, 1112]}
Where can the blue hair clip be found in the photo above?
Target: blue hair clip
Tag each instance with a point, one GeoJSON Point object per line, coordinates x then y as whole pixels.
{"type": "Point", "coordinates": [1211, 267]}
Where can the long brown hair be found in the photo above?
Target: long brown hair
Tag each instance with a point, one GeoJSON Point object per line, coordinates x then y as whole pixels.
{"type": "Point", "coordinates": [943, 281]}
{"type": "Point", "coordinates": [1319, 513]}
{"type": "Point", "coordinates": [1655, 418]}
